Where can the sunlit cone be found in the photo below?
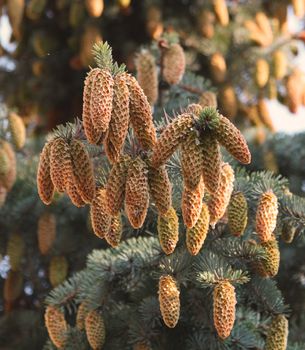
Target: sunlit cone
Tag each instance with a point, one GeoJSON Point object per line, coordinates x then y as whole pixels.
{"type": "Point", "coordinates": [81, 314]}
{"type": "Point", "coordinates": [194, 108]}
{"type": "Point", "coordinates": [115, 188]}
{"type": "Point", "coordinates": [272, 89]}
{"type": "Point", "coordinates": [160, 188]}
{"type": "Point", "coordinates": [237, 214]}
{"type": "Point", "coordinates": [277, 335]}
{"type": "Point", "coordinates": [211, 162]}
{"type": "Point", "coordinates": [220, 199]}
{"type": "Point", "coordinates": [118, 126]}
{"type": "Point", "coordinates": [191, 161]}
{"type": "Point", "coordinates": [208, 99]}
{"type": "Point", "coordinates": [228, 101]}
{"type": "Point", "coordinates": [35, 8]}
{"type": "Point", "coordinates": [269, 265]}
{"type": "Point", "coordinates": [141, 118]}
{"type": "Point", "coordinates": [3, 195]}
{"type": "Point", "coordinates": [137, 193]}
{"type": "Point", "coordinates": [221, 11]}
{"type": "Point", "coordinates": [261, 72]}
{"type": "Point", "coordinates": [218, 67]}
{"type": "Point", "coordinates": [4, 164]}
{"type": "Point", "coordinates": [266, 215]}
{"type": "Point", "coordinates": [264, 25]}
{"type": "Point", "coordinates": [101, 99]}
{"type": "Point", "coordinates": [17, 130]}
{"type": "Point", "coordinates": [224, 301]}
{"type": "Point", "coordinates": [76, 13]}
{"type": "Point", "coordinates": [169, 300]}
{"type": "Point", "coordinates": [56, 325]}
{"type": "Point", "coordinates": [168, 231]}
{"type": "Point", "coordinates": [298, 8]}
{"type": "Point", "coordinates": [173, 64]}
{"type": "Point", "coordinates": [90, 37]}
{"type": "Point", "coordinates": [288, 232]}
{"type": "Point", "coordinates": [265, 115]}
{"type": "Point", "coordinates": [232, 139]}
{"type": "Point", "coordinates": [294, 91]}
{"type": "Point", "coordinates": [114, 234]}
{"type": "Point", "coordinates": [93, 135]}
{"type": "Point", "coordinates": [15, 9]}
{"type": "Point", "coordinates": [13, 286]}
{"type": "Point", "coordinates": [95, 7]}
{"type": "Point", "coordinates": [58, 270]}
{"type": "Point", "coordinates": [206, 20]}
{"type": "Point", "coordinates": [171, 137]}
{"type": "Point", "coordinates": [147, 75]}
{"type": "Point", "coordinates": [191, 204]}
{"type": "Point", "coordinates": [10, 178]}
{"type": "Point", "coordinates": [46, 232]}
{"type": "Point", "coordinates": [196, 235]}
{"type": "Point", "coordinates": [280, 64]}
{"type": "Point", "coordinates": [82, 171]}
{"type": "Point", "coordinates": [44, 182]}
{"type": "Point", "coordinates": [15, 250]}
{"type": "Point", "coordinates": [100, 219]}
{"type": "Point", "coordinates": [74, 194]}
{"type": "Point", "coordinates": [256, 34]}
{"type": "Point", "coordinates": [60, 163]}
{"type": "Point", "coordinates": [95, 329]}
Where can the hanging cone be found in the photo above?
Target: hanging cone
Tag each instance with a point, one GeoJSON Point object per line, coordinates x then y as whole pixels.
{"type": "Point", "coordinates": [82, 312]}
{"type": "Point", "coordinates": [218, 67]}
{"type": "Point", "coordinates": [221, 11]}
{"type": "Point", "coordinates": [206, 20]}
{"type": "Point", "coordinates": [294, 88]}
{"type": "Point", "coordinates": [196, 236]}
{"type": "Point", "coordinates": [17, 130]}
{"type": "Point", "coordinates": [56, 325]}
{"type": "Point", "coordinates": [173, 64]}
{"type": "Point", "coordinates": [100, 219]}
{"type": "Point", "coordinates": [277, 335]}
{"type": "Point", "coordinates": [15, 250]}
{"type": "Point", "coordinates": [113, 236]}
{"type": "Point", "coordinates": [280, 64]}
{"type": "Point", "coordinates": [9, 180]}
{"type": "Point", "coordinates": [13, 286]}
{"type": "Point", "coordinates": [228, 101]}
{"type": "Point", "coordinates": [168, 231]}
{"type": "Point", "coordinates": [169, 300]}
{"type": "Point", "coordinates": [264, 26]}
{"type": "Point", "coordinates": [58, 270]}
{"type": "Point", "coordinates": [261, 72]}
{"type": "Point", "coordinates": [238, 214]}
{"type": "Point", "coordinates": [224, 308]}
{"type": "Point", "coordinates": [46, 232]}
{"type": "Point", "coordinates": [95, 329]}
{"type": "Point", "coordinates": [44, 183]}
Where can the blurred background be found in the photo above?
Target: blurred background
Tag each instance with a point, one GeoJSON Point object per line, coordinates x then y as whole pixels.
{"type": "Point", "coordinates": [251, 54]}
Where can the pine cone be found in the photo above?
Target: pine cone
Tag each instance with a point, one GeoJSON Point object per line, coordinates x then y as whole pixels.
{"type": "Point", "coordinates": [266, 215]}
{"type": "Point", "coordinates": [272, 89]}
{"type": "Point", "coordinates": [218, 67]}
{"type": "Point", "coordinates": [137, 193]}
{"type": "Point", "coordinates": [224, 308]}
{"type": "Point", "coordinates": [13, 286]}
{"type": "Point", "coordinates": [56, 325]}
{"type": "Point", "coordinates": [15, 10]}
{"type": "Point", "coordinates": [58, 270]}
{"type": "Point", "coordinates": [93, 135]}
{"type": "Point", "coordinates": [60, 163]}
{"type": "Point", "coordinates": [211, 162]}
{"type": "Point", "coordinates": [206, 22]}
{"type": "Point", "coordinates": [220, 199]}
{"type": "Point", "coordinates": [115, 188]}
{"type": "Point", "coordinates": [44, 183]}
{"type": "Point", "coordinates": [46, 232]}
{"type": "Point", "coordinates": [95, 8]}
{"type": "Point", "coordinates": [264, 114]}
{"type": "Point", "coordinates": [101, 100]}
{"type": "Point", "coordinates": [3, 195]}
{"type": "Point", "coordinates": [191, 204]}
{"type": "Point", "coordinates": [221, 11]}
{"type": "Point", "coordinates": [82, 171]}
{"type": "Point", "coordinates": [294, 91]}
{"type": "Point", "coordinates": [191, 161]}
{"type": "Point", "coordinates": [82, 312]}
{"type": "Point", "coordinates": [168, 231]}
{"type": "Point", "coordinates": [95, 329]}
{"type": "Point", "coordinates": [288, 232]}
{"type": "Point", "coordinates": [238, 214]}
{"type": "Point", "coordinates": [4, 164]}
{"type": "Point", "coordinates": [147, 75]}
{"type": "Point", "coordinates": [113, 236]}
{"type": "Point", "coordinates": [261, 72]}
{"type": "Point", "coordinates": [264, 26]}
{"type": "Point", "coordinates": [232, 139]}
{"type": "Point", "coordinates": [257, 35]}
{"type": "Point", "coordinates": [15, 251]}
{"type": "Point", "coordinates": [280, 64]}
{"type": "Point", "coordinates": [208, 99]}
{"type": "Point", "coordinates": [196, 236]}
{"type": "Point", "coordinates": [269, 265]}
{"type": "Point", "coordinates": [100, 219]}
{"type": "Point", "coordinates": [169, 300]}
{"type": "Point", "coordinates": [118, 127]}
{"type": "Point", "coordinates": [173, 64]}
{"type": "Point", "coordinates": [170, 139]}
{"type": "Point", "coordinates": [140, 115]}
{"type": "Point", "coordinates": [160, 189]}
{"type": "Point", "coordinates": [228, 101]}
{"type": "Point", "coordinates": [277, 334]}
{"type": "Point", "coordinates": [10, 178]}
{"type": "Point", "coordinates": [17, 129]}
{"type": "Point", "coordinates": [74, 194]}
